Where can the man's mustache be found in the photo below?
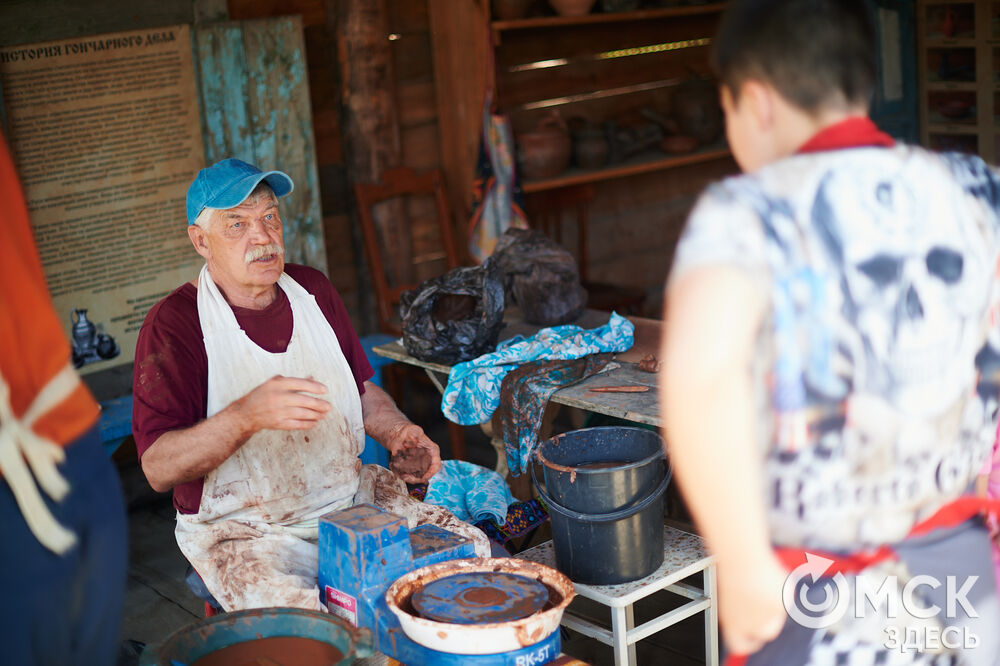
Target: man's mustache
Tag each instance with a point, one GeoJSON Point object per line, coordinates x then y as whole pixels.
{"type": "Point", "coordinates": [261, 251]}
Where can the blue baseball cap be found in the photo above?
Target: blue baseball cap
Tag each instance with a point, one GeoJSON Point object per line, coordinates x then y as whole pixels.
{"type": "Point", "coordinates": [228, 183]}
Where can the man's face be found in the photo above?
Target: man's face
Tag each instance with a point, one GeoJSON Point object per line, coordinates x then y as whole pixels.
{"type": "Point", "coordinates": [245, 247]}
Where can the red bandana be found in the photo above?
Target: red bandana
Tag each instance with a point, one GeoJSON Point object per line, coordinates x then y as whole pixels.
{"type": "Point", "coordinates": [854, 132]}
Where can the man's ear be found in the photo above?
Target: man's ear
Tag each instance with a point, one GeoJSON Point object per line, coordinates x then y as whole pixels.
{"type": "Point", "coordinates": [199, 238]}
{"type": "Point", "coordinates": [759, 98]}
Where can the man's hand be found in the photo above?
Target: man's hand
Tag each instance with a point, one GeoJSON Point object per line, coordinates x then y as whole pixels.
{"type": "Point", "coordinates": [751, 613]}
{"type": "Point", "coordinates": [410, 435]}
{"type": "Point", "coordinates": [282, 403]}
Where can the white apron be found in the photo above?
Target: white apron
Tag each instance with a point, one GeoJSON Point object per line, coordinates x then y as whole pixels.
{"type": "Point", "coordinates": [253, 540]}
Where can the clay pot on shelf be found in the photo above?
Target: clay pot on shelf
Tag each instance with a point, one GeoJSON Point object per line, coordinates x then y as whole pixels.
{"type": "Point", "coordinates": [544, 152]}
{"type": "Point", "coordinates": [509, 10]}
{"type": "Point", "coordinates": [678, 144]}
{"type": "Point", "coordinates": [696, 110]}
{"type": "Point", "coordinates": [948, 23]}
{"type": "Point", "coordinates": [590, 147]}
{"type": "Point", "coordinates": [572, 7]}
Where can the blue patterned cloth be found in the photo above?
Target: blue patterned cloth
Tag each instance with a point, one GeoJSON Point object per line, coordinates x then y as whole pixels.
{"type": "Point", "coordinates": [473, 391]}
{"type": "Point", "coordinates": [525, 392]}
{"type": "Point", "coordinates": [472, 493]}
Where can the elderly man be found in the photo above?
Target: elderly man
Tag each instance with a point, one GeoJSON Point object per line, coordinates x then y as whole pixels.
{"type": "Point", "coordinates": [252, 402]}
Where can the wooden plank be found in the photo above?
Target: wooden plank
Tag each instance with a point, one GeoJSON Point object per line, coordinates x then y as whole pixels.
{"type": "Point", "coordinates": [421, 147]}
{"type": "Point", "coordinates": [221, 69]}
{"type": "Point", "coordinates": [282, 128]}
{"type": "Point", "coordinates": [337, 232]}
{"type": "Point", "coordinates": [406, 16]}
{"type": "Point", "coordinates": [29, 21]}
{"type": "Point", "coordinates": [617, 240]}
{"type": "Point", "coordinates": [417, 103]}
{"type": "Point", "coordinates": [594, 75]}
{"type": "Point", "coordinates": [643, 163]}
{"type": "Point", "coordinates": [616, 17]}
{"type": "Point", "coordinates": [624, 197]}
{"type": "Point", "coordinates": [588, 40]}
{"type": "Point", "coordinates": [326, 124]}
{"type": "Point", "coordinates": [461, 51]}
{"type": "Point", "coordinates": [370, 123]}
{"type": "Point", "coordinates": [312, 11]}
{"type": "Point", "coordinates": [411, 55]}
{"type": "Point", "coordinates": [623, 108]}
{"type": "Point", "coordinates": [636, 407]}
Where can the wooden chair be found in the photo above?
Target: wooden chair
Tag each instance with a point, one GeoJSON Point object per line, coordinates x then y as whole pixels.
{"type": "Point", "coordinates": [398, 185]}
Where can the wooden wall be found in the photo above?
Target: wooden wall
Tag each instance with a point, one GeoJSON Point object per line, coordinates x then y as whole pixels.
{"type": "Point", "coordinates": [413, 88]}
{"type": "Point", "coordinates": [634, 221]}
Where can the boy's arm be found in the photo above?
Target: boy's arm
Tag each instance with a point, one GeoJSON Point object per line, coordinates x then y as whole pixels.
{"type": "Point", "coordinates": [707, 404]}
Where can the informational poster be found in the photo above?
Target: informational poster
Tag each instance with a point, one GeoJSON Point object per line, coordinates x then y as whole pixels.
{"type": "Point", "coordinates": [106, 134]}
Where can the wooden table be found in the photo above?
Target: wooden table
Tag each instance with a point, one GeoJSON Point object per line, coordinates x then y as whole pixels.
{"type": "Point", "coordinates": [637, 407]}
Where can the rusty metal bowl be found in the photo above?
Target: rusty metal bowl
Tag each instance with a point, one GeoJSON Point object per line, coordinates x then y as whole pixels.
{"type": "Point", "coordinates": [480, 638]}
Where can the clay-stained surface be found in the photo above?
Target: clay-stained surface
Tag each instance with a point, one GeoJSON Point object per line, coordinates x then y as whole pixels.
{"type": "Point", "coordinates": [480, 598]}
{"type": "Point", "coordinates": [680, 551]}
{"type": "Point", "coordinates": [490, 637]}
{"type": "Point", "coordinates": [283, 650]}
{"type": "Point", "coordinates": [411, 461]}
{"type": "Point", "coordinates": [379, 486]}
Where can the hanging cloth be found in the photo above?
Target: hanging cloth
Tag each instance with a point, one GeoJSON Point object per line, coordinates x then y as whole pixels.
{"type": "Point", "coordinates": [496, 192]}
{"type": "Point", "coordinates": [473, 390]}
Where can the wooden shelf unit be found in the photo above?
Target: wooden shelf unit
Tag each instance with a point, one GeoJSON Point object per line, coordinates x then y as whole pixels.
{"type": "Point", "coordinates": [599, 67]}
{"type": "Point", "coordinates": [645, 162]}
{"type": "Point", "coordinates": [611, 17]}
{"type": "Point", "coordinates": [958, 56]}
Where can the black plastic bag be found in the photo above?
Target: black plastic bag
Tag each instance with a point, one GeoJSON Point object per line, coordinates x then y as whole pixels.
{"type": "Point", "coordinates": [541, 277]}
{"type": "Point", "coordinates": [454, 317]}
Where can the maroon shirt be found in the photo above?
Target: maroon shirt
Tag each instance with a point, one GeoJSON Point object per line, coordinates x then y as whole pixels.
{"type": "Point", "coordinates": [170, 384]}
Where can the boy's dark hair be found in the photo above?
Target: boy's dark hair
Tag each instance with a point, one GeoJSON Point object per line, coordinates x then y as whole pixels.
{"type": "Point", "coordinates": [817, 53]}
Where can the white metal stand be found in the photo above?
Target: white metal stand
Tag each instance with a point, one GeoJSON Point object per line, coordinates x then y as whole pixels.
{"type": "Point", "coordinates": [684, 554]}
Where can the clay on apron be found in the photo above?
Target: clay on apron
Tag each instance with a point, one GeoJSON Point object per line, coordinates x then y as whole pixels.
{"type": "Point", "coordinates": [253, 541]}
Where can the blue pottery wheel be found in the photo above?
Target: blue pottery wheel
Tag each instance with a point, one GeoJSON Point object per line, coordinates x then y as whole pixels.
{"type": "Point", "coordinates": [480, 598]}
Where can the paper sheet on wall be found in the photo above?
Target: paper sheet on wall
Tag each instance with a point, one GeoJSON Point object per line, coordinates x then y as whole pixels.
{"type": "Point", "coordinates": [106, 134]}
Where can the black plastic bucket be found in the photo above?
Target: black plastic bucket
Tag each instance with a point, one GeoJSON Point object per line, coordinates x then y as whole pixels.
{"type": "Point", "coordinates": [597, 542]}
{"type": "Point", "coordinates": [602, 490]}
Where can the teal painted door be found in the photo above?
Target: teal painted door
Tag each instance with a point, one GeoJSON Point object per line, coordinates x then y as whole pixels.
{"type": "Point", "coordinates": [255, 106]}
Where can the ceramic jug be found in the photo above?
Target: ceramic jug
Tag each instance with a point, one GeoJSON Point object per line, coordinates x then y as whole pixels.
{"type": "Point", "coordinates": [83, 329]}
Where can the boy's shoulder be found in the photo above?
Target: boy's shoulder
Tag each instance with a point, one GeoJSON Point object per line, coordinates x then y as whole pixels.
{"type": "Point", "coordinates": [912, 168]}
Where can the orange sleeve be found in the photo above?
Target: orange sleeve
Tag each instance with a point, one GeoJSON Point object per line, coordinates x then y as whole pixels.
{"type": "Point", "coordinates": [33, 346]}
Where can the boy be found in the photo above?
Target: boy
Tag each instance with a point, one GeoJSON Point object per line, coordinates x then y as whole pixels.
{"type": "Point", "coordinates": [826, 385]}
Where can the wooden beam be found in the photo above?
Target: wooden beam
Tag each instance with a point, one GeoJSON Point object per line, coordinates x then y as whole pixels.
{"type": "Point", "coordinates": [462, 70]}
{"type": "Point", "coordinates": [370, 125]}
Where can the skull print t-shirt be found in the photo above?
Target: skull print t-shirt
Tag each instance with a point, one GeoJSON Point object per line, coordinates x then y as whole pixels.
{"type": "Point", "coordinates": [875, 369]}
